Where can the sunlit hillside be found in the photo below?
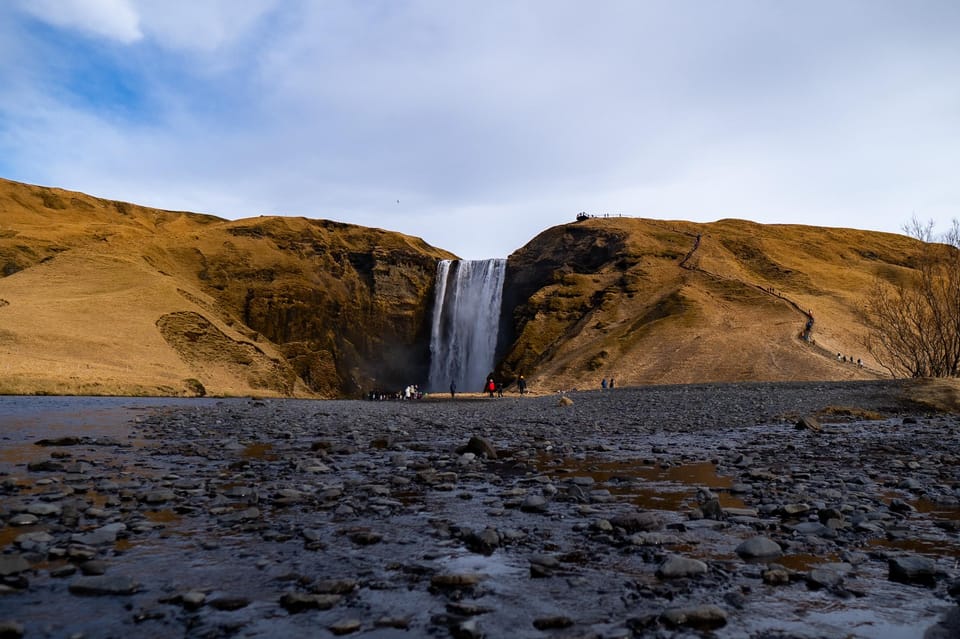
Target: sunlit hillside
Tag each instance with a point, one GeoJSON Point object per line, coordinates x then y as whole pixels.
{"type": "Point", "coordinates": [103, 297]}
{"type": "Point", "coordinates": [652, 302]}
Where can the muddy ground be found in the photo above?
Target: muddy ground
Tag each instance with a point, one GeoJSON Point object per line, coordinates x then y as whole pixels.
{"type": "Point", "coordinates": [679, 511]}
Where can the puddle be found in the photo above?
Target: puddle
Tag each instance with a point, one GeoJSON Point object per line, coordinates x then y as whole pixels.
{"type": "Point", "coordinates": [650, 486]}
{"type": "Point", "coordinates": [804, 562]}
{"type": "Point", "coordinates": [259, 450]}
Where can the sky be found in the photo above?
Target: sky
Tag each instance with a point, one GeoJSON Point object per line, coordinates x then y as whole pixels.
{"type": "Point", "coordinates": [476, 124]}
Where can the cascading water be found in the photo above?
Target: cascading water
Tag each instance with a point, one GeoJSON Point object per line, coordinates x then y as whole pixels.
{"type": "Point", "coordinates": [466, 320]}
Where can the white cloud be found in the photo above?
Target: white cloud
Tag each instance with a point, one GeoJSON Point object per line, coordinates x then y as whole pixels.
{"type": "Point", "coordinates": [201, 25]}
{"type": "Point", "coordinates": [489, 121]}
{"type": "Point", "coordinates": [111, 19]}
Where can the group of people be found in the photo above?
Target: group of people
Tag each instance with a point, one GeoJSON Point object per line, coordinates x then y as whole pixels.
{"type": "Point", "coordinates": [843, 358]}
{"type": "Point", "coordinates": [604, 384]}
{"type": "Point", "coordinates": [493, 387]}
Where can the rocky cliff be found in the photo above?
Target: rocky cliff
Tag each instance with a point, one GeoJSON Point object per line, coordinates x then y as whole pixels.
{"type": "Point", "coordinates": [105, 297]}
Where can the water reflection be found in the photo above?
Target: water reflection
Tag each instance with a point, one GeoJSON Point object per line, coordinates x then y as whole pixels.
{"type": "Point", "coordinates": [648, 485]}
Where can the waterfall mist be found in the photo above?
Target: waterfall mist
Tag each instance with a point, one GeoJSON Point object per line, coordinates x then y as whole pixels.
{"type": "Point", "coordinates": [466, 321]}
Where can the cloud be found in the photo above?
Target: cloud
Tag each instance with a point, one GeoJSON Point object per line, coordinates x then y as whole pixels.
{"type": "Point", "coordinates": [489, 121]}
{"type": "Point", "coordinates": [111, 19]}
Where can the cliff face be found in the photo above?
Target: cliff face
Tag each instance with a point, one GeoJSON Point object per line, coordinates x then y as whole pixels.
{"type": "Point", "coordinates": [649, 302]}
{"type": "Point", "coordinates": [126, 299]}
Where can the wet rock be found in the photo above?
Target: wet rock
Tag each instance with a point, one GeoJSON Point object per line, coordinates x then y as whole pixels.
{"type": "Point", "coordinates": [24, 519]}
{"type": "Point", "coordinates": [295, 602]}
{"type": "Point", "coordinates": [640, 521]}
{"type": "Point", "coordinates": [93, 567]}
{"type": "Point", "coordinates": [479, 446]}
{"type": "Point", "coordinates": [700, 617]}
{"type": "Point", "coordinates": [912, 569]}
{"type": "Point", "coordinates": [809, 422]}
{"type": "Point", "coordinates": [400, 623]}
{"type": "Point", "coordinates": [552, 623]}
{"type": "Point", "coordinates": [193, 599]}
{"type": "Point", "coordinates": [11, 629]}
{"type": "Point", "coordinates": [813, 528]}
{"type": "Point", "coordinates": [947, 628]}
{"type": "Point", "coordinates": [824, 578]}
{"type": "Point", "coordinates": [365, 537]}
{"type": "Point", "coordinates": [759, 548]}
{"type": "Point", "coordinates": [899, 506]}
{"type": "Point", "coordinates": [104, 585]}
{"type": "Point", "coordinates": [13, 564]}
{"type": "Point", "coordinates": [103, 535]}
{"type": "Point", "coordinates": [534, 504]}
{"type": "Point", "coordinates": [675, 567]}
{"type": "Point", "coordinates": [484, 541]}
{"type": "Point", "coordinates": [45, 509]}
{"type": "Point", "coordinates": [345, 627]}
{"type": "Point", "coordinates": [776, 576]}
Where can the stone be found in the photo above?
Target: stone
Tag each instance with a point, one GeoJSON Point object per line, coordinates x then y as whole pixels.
{"type": "Point", "coordinates": [193, 599]}
{"type": "Point", "coordinates": [552, 623]}
{"type": "Point", "coordinates": [103, 535]}
{"type": "Point", "coordinates": [675, 567]}
{"type": "Point", "coordinates": [24, 519]}
{"type": "Point", "coordinates": [45, 509]}
{"type": "Point", "coordinates": [11, 629]}
{"type": "Point", "coordinates": [809, 422]}
{"type": "Point", "coordinates": [700, 617]}
{"type": "Point", "coordinates": [759, 548]}
{"type": "Point", "coordinates": [534, 504]}
{"type": "Point", "coordinates": [776, 576]}
{"type": "Point", "coordinates": [13, 564]}
{"type": "Point", "coordinates": [345, 627]}
{"type": "Point", "coordinates": [295, 602]}
{"type": "Point", "coordinates": [912, 569]}
{"type": "Point", "coordinates": [824, 578]}
{"type": "Point", "coordinates": [637, 522]}
{"type": "Point", "coordinates": [479, 446]}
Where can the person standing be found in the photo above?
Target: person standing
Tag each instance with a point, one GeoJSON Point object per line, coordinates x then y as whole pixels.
{"type": "Point", "coordinates": [522, 385]}
{"type": "Point", "coordinates": [603, 384]}
{"type": "Point", "coordinates": [453, 389]}
{"type": "Point", "coordinates": [611, 383]}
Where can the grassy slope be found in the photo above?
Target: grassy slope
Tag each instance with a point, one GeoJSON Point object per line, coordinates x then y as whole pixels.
{"type": "Point", "coordinates": [643, 319]}
{"type": "Point", "coordinates": [105, 297]}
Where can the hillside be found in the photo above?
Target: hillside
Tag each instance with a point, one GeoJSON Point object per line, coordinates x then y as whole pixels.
{"type": "Point", "coordinates": [103, 297]}
{"type": "Point", "coordinates": [634, 300]}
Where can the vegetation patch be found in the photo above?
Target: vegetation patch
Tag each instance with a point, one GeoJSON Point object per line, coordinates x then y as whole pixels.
{"type": "Point", "coordinates": [847, 413]}
{"type": "Point", "coordinates": [941, 395]}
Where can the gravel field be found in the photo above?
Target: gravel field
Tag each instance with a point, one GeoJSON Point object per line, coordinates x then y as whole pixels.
{"type": "Point", "coordinates": [808, 510]}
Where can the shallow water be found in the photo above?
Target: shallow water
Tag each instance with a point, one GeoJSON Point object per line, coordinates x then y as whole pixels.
{"type": "Point", "coordinates": [193, 551]}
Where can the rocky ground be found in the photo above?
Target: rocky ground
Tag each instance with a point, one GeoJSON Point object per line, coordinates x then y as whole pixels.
{"type": "Point", "coordinates": [751, 510]}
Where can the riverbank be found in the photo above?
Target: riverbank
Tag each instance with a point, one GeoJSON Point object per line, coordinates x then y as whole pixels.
{"type": "Point", "coordinates": [622, 514]}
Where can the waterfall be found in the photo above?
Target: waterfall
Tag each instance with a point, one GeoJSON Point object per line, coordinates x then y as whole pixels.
{"type": "Point", "coordinates": [466, 321]}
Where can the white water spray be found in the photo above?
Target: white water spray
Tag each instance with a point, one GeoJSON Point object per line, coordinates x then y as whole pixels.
{"type": "Point", "coordinates": [466, 321]}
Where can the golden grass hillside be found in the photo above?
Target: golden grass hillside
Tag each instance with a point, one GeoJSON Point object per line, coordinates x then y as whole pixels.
{"type": "Point", "coordinates": [632, 299]}
{"type": "Point", "coordinates": [103, 297]}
